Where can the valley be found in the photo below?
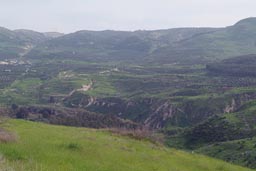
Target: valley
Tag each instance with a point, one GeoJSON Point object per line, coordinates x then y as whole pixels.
{"type": "Point", "coordinates": [196, 87]}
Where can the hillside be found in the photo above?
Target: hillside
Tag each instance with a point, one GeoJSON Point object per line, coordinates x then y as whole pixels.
{"type": "Point", "coordinates": [237, 66]}
{"type": "Point", "coordinates": [230, 137]}
{"type": "Point", "coordinates": [44, 147]}
{"type": "Point", "coordinates": [235, 40]}
{"type": "Point", "coordinates": [181, 45]}
{"type": "Point", "coordinates": [111, 46]}
{"type": "Point", "coordinates": [16, 43]}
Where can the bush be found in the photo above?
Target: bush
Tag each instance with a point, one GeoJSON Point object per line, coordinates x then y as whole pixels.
{"type": "Point", "coordinates": [6, 136]}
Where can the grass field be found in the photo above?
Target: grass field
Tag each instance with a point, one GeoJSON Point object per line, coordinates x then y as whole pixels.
{"type": "Point", "coordinates": [57, 148]}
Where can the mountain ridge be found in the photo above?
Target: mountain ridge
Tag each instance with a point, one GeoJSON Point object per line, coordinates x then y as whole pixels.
{"type": "Point", "coordinates": [182, 45]}
{"type": "Point", "coordinates": [191, 45]}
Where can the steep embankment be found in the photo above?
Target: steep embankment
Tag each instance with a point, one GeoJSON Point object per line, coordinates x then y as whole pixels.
{"type": "Point", "coordinates": [44, 147]}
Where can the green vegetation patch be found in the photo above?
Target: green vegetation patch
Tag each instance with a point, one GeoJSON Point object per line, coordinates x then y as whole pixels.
{"type": "Point", "coordinates": [46, 147]}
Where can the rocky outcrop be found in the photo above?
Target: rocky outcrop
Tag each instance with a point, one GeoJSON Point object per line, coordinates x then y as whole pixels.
{"type": "Point", "coordinates": [238, 100]}
{"type": "Point", "coordinates": [231, 107]}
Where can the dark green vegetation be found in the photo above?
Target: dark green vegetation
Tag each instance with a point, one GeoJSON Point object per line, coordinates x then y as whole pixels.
{"type": "Point", "coordinates": [239, 66]}
{"type": "Point", "coordinates": [73, 149]}
{"type": "Point", "coordinates": [183, 83]}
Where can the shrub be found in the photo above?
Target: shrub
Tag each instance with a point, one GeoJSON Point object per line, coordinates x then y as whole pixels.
{"type": "Point", "coordinates": [6, 136]}
{"type": "Point", "coordinates": [73, 146]}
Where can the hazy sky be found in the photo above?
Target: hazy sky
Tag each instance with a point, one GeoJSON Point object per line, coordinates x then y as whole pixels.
{"type": "Point", "coordinates": [72, 15]}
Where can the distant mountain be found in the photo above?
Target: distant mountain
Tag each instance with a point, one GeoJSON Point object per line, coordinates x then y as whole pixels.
{"type": "Point", "coordinates": [112, 45]}
{"type": "Point", "coordinates": [185, 45]}
{"type": "Point", "coordinates": [180, 45]}
{"type": "Point", "coordinates": [16, 43]}
{"type": "Point", "coordinates": [239, 39]}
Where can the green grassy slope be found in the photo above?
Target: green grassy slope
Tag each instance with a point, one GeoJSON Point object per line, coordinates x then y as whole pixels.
{"type": "Point", "coordinates": [44, 147]}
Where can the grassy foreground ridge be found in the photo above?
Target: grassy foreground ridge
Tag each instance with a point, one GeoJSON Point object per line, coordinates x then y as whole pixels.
{"type": "Point", "coordinates": [58, 148]}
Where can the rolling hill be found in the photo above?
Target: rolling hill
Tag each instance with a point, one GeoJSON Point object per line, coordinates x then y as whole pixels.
{"type": "Point", "coordinates": [37, 146]}
{"type": "Point", "coordinates": [179, 45]}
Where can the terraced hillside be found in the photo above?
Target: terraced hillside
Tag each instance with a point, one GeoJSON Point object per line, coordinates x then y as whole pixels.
{"type": "Point", "coordinates": [40, 147]}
